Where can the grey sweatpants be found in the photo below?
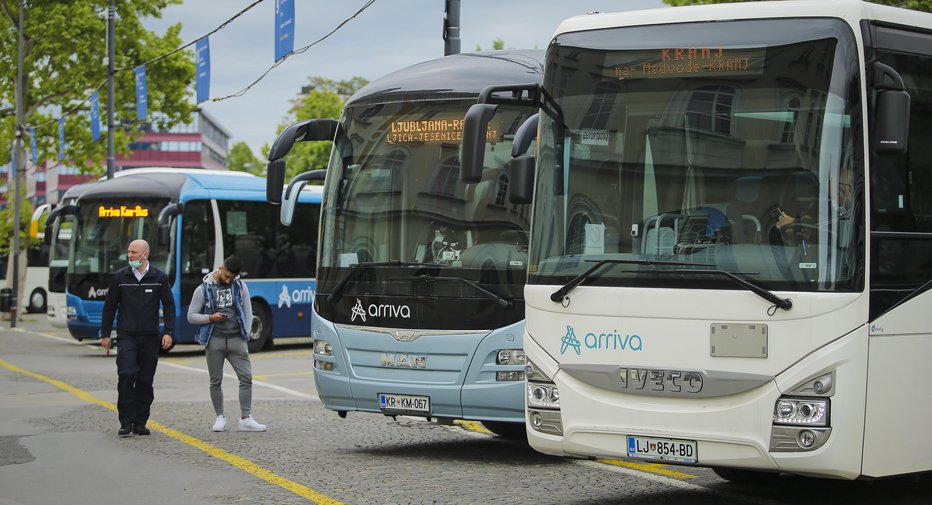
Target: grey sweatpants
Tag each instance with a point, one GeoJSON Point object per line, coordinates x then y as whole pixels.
{"type": "Point", "coordinates": [235, 351]}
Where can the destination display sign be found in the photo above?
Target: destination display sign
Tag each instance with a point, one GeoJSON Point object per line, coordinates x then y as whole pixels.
{"type": "Point", "coordinates": [405, 131]}
{"type": "Point", "coordinates": [687, 62]}
{"type": "Point", "coordinates": [122, 211]}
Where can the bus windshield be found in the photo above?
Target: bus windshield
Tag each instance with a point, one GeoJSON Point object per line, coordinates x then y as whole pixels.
{"type": "Point", "coordinates": [394, 196]}
{"type": "Point", "coordinates": [737, 154]}
{"type": "Point", "coordinates": [103, 231]}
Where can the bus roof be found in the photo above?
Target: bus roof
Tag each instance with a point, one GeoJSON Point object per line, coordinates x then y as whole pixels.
{"type": "Point", "coordinates": [187, 185]}
{"type": "Point", "coordinates": [852, 10]}
{"type": "Point", "coordinates": [460, 75]}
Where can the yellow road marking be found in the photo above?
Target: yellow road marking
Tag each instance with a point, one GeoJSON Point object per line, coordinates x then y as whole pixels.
{"type": "Point", "coordinates": [237, 461]}
{"type": "Point", "coordinates": [472, 426]}
{"type": "Point", "coordinates": [285, 374]}
{"type": "Point", "coordinates": [646, 467]}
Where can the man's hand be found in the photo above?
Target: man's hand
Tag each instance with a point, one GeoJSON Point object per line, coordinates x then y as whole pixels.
{"type": "Point", "coordinates": [217, 317]}
{"type": "Point", "coordinates": [166, 341]}
{"type": "Point", "coordinates": [106, 343]}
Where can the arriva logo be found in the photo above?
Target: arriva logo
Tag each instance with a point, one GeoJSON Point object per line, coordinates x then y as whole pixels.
{"type": "Point", "coordinates": [286, 297]}
{"type": "Point", "coordinates": [609, 341]}
{"type": "Point", "coordinates": [94, 293]}
{"type": "Point", "coordinates": [384, 310]}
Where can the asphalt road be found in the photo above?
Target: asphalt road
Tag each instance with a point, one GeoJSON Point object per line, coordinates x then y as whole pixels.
{"type": "Point", "coordinates": [58, 445]}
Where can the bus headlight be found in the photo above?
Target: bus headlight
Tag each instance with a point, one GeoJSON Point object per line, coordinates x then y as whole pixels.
{"type": "Point", "coordinates": [802, 412]}
{"type": "Point", "coordinates": [323, 348]}
{"type": "Point", "coordinates": [510, 357]}
{"type": "Point", "coordinates": [326, 366]}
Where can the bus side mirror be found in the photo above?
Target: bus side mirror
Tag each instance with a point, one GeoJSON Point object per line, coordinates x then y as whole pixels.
{"type": "Point", "coordinates": [526, 134]}
{"type": "Point", "coordinates": [294, 191]}
{"type": "Point", "coordinates": [165, 220]}
{"type": "Point", "coordinates": [521, 186]}
{"type": "Point", "coordinates": [475, 127]}
{"type": "Point", "coordinates": [275, 181]}
{"type": "Point", "coordinates": [891, 112]}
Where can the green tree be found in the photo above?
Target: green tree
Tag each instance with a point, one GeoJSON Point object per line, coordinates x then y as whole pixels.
{"type": "Point", "coordinates": [324, 99]}
{"type": "Point", "coordinates": [919, 5]}
{"type": "Point", "coordinates": [497, 45]}
{"type": "Point", "coordinates": [242, 159]}
{"type": "Point", "coordinates": [64, 52]}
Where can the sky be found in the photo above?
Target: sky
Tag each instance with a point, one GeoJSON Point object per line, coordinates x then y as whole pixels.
{"type": "Point", "coordinates": [389, 35]}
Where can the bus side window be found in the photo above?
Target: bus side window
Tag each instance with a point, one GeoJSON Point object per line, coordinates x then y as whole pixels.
{"type": "Point", "coordinates": [197, 242]}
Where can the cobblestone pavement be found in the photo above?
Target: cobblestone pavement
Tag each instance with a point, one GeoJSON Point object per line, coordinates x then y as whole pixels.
{"type": "Point", "coordinates": [362, 459]}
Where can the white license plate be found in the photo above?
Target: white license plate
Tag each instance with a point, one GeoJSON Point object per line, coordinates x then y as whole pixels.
{"type": "Point", "coordinates": [664, 449]}
{"type": "Point", "coordinates": [404, 403]}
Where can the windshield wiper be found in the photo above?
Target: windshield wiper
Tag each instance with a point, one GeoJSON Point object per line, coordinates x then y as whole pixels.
{"type": "Point", "coordinates": [359, 267]}
{"type": "Point", "coordinates": [499, 300]}
{"type": "Point", "coordinates": [579, 279]}
{"type": "Point", "coordinates": [770, 296]}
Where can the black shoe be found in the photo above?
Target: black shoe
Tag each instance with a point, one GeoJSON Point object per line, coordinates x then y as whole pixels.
{"type": "Point", "coordinates": [140, 430]}
{"type": "Point", "coordinates": [125, 430]}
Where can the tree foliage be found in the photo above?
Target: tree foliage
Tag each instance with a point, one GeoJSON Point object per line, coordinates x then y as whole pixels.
{"type": "Point", "coordinates": [324, 99]}
{"type": "Point", "coordinates": [64, 50]}
{"type": "Point", "coordinates": [919, 5]}
{"type": "Point", "coordinates": [241, 158]}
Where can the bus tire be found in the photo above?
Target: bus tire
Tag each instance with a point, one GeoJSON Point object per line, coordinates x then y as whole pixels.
{"type": "Point", "coordinates": [513, 431]}
{"type": "Point", "coordinates": [38, 301]}
{"type": "Point", "coordinates": [740, 476]}
{"type": "Point", "coordinates": [260, 334]}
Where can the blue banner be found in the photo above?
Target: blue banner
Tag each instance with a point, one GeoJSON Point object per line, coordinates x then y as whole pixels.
{"type": "Point", "coordinates": [202, 67]}
{"type": "Point", "coordinates": [142, 94]}
{"type": "Point", "coordinates": [95, 116]}
{"type": "Point", "coordinates": [61, 138]}
{"type": "Point", "coordinates": [284, 28]}
{"type": "Point", "coordinates": [32, 145]}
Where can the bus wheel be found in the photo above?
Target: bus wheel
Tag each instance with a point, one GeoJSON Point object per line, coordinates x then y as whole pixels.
{"type": "Point", "coordinates": [261, 331]}
{"type": "Point", "coordinates": [37, 301]}
{"type": "Point", "coordinates": [739, 476]}
{"type": "Point", "coordinates": [513, 431]}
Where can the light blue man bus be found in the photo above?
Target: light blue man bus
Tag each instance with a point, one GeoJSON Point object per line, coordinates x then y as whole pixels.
{"type": "Point", "coordinates": [192, 220]}
{"type": "Point", "coordinates": [419, 309]}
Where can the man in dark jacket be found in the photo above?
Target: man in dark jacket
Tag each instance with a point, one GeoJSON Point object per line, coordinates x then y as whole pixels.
{"type": "Point", "coordinates": [136, 291]}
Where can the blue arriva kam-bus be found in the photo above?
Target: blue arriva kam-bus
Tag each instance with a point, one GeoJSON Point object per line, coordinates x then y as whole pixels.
{"type": "Point", "coordinates": [731, 239]}
{"type": "Point", "coordinates": [193, 219]}
{"type": "Point", "coordinates": [419, 308]}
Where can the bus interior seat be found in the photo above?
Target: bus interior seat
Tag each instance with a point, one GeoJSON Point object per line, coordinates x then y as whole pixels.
{"type": "Point", "coordinates": [660, 234]}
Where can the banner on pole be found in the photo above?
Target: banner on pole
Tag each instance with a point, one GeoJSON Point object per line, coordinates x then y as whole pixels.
{"type": "Point", "coordinates": [33, 147]}
{"type": "Point", "coordinates": [284, 28]}
{"type": "Point", "coordinates": [61, 138]}
{"type": "Point", "coordinates": [142, 94]}
{"type": "Point", "coordinates": [95, 116]}
{"type": "Point", "coordinates": [202, 84]}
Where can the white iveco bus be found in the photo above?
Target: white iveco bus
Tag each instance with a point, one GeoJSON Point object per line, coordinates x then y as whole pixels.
{"type": "Point", "coordinates": [731, 238]}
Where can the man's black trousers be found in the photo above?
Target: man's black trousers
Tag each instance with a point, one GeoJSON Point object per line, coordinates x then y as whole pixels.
{"type": "Point", "coordinates": [137, 358]}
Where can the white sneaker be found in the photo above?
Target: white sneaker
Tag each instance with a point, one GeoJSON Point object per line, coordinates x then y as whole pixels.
{"type": "Point", "coordinates": [220, 424]}
{"type": "Point", "coordinates": [250, 424]}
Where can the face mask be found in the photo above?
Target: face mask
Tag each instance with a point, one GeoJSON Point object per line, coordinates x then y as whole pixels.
{"type": "Point", "coordinates": [135, 263]}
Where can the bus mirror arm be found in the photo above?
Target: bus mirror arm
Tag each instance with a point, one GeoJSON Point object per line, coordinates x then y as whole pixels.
{"type": "Point", "coordinates": [61, 211]}
{"type": "Point", "coordinates": [164, 221]}
{"type": "Point", "coordinates": [294, 191]}
{"type": "Point", "coordinates": [274, 181]}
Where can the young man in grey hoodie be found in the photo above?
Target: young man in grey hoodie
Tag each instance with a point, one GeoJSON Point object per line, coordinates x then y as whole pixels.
{"type": "Point", "coordinates": [223, 310]}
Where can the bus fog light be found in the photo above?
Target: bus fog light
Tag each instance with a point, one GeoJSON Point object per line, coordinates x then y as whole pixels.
{"type": "Point", "coordinates": [510, 357]}
{"type": "Point", "coordinates": [326, 366]}
{"type": "Point", "coordinates": [509, 376]}
{"type": "Point", "coordinates": [806, 438]}
{"type": "Point", "coordinates": [536, 420]}
{"type": "Point", "coordinates": [72, 311]}
{"type": "Point", "coordinates": [802, 412]}
{"type": "Point", "coordinates": [323, 348]}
